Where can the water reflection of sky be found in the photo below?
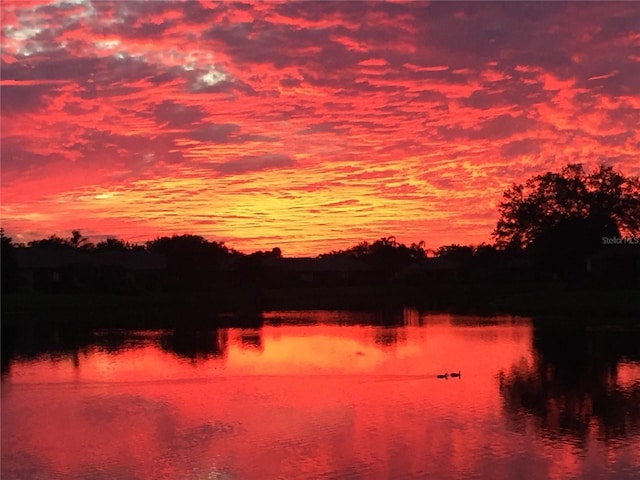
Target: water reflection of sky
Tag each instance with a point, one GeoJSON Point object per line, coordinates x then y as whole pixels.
{"type": "Point", "coordinates": [316, 396]}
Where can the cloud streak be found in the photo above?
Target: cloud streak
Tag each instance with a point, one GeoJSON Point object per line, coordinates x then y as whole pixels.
{"type": "Point", "coordinates": [309, 126]}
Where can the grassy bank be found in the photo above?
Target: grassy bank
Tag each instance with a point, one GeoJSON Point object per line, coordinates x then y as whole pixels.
{"type": "Point", "coordinates": [552, 301]}
{"type": "Point", "coordinates": [177, 309]}
{"type": "Point", "coordinates": [150, 310]}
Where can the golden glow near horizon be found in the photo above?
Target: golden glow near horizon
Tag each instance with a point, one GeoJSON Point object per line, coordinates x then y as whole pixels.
{"type": "Point", "coordinates": [309, 127]}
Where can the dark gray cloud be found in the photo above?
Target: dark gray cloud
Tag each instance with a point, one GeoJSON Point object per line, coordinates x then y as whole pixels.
{"type": "Point", "coordinates": [24, 98]}
{"type": "Point", "coordinates": [337, 128]}
{"type": "Point", "coordinates": [226, 133]}
{"type": "Point", "coordinates": [55, 66]}
{"type": "Point", "coordinates": [529, 146]}
{"type": "Point", "coordinates": [175, 115]}
{"type": "Point", "coordinates": [18, 158]}
{"type": "Point", "coordinates": [502, 126]}
{"type": "Point", "coordinates": [289, 81]}
{"type": "Point", "coordinates": [253, 163]}
{"type": "Point", "coordinates": [221, 133]}
{"type": "Point", "coordinates": [508, 92]}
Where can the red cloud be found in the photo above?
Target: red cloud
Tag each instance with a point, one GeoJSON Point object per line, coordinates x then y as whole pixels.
{"type": "Point", "coordinates": [335, 122]}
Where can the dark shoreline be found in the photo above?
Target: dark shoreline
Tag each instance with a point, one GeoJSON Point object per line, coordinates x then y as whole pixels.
{"type": "Point", "coordinates": [58, 324]}
{"type": "Point", "coordinates": [228, 307]}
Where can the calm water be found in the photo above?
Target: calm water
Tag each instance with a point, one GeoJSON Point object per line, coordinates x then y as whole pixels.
{"type": "Point", "coordinates": [332, 395]}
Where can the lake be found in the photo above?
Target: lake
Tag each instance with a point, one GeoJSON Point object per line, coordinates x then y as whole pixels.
{"type": "Point", "coordinates": [328, 395]}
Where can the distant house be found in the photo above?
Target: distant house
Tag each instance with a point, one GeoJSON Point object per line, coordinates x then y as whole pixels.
{"type": "Point", "coordinates": [433, 269]}
{"type": "Point", "coordinates": [51, 269]}
{"type": "Point", "coordinates": [323, 271]}
{"type": "Point", "coordinates": [514, 268]}
{"type": "Point", "coordinates": [70, 270]}
{"type": "Point", "coordinates": [130, 270]}
{"type": "Point", "coordinates": [615, 266]}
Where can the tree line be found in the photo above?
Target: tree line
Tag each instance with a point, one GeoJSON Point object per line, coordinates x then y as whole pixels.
{"type": "Point", "coordinates": [555, 219]}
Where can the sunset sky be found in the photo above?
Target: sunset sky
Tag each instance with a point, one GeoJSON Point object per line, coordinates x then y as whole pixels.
{"type": "Point", "coordinates": [311, 126]}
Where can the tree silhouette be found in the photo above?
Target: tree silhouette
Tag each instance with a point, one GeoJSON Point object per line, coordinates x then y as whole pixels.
{"type": "Point", "coordinates": [192, 261]}
{"type": "Point", "coordinates": [602, 202]}
{"type": "Point", "coordinates": [78, 241]}
{"type": "Point", "coordinates": [113, 245]}
{"type": "Point", "coordinates": [562, 217]}
{"type": "Point", "coordinates": [51, 242]}
{"type": "Point", "coordinates": [462, 253]}
{"type": "Point", "coordinates": [573, 382]}
{"type": "Point", "coordinates": [8, 265]}
{"type": "Point", "coordinates": [386, 255]}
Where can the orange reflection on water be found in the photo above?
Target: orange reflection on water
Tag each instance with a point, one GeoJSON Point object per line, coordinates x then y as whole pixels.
{"type": "Point", "coordinates": [290, 401]}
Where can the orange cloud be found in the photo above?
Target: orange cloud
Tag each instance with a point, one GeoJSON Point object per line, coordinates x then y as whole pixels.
{"type": "Point", "coordinates": [210, 119]}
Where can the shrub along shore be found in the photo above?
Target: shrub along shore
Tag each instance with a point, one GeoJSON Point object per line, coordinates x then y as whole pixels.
{"type": "Point", "coordinates": [566, 243]}
{"type": "Point", "coordinates": [239, 306]}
